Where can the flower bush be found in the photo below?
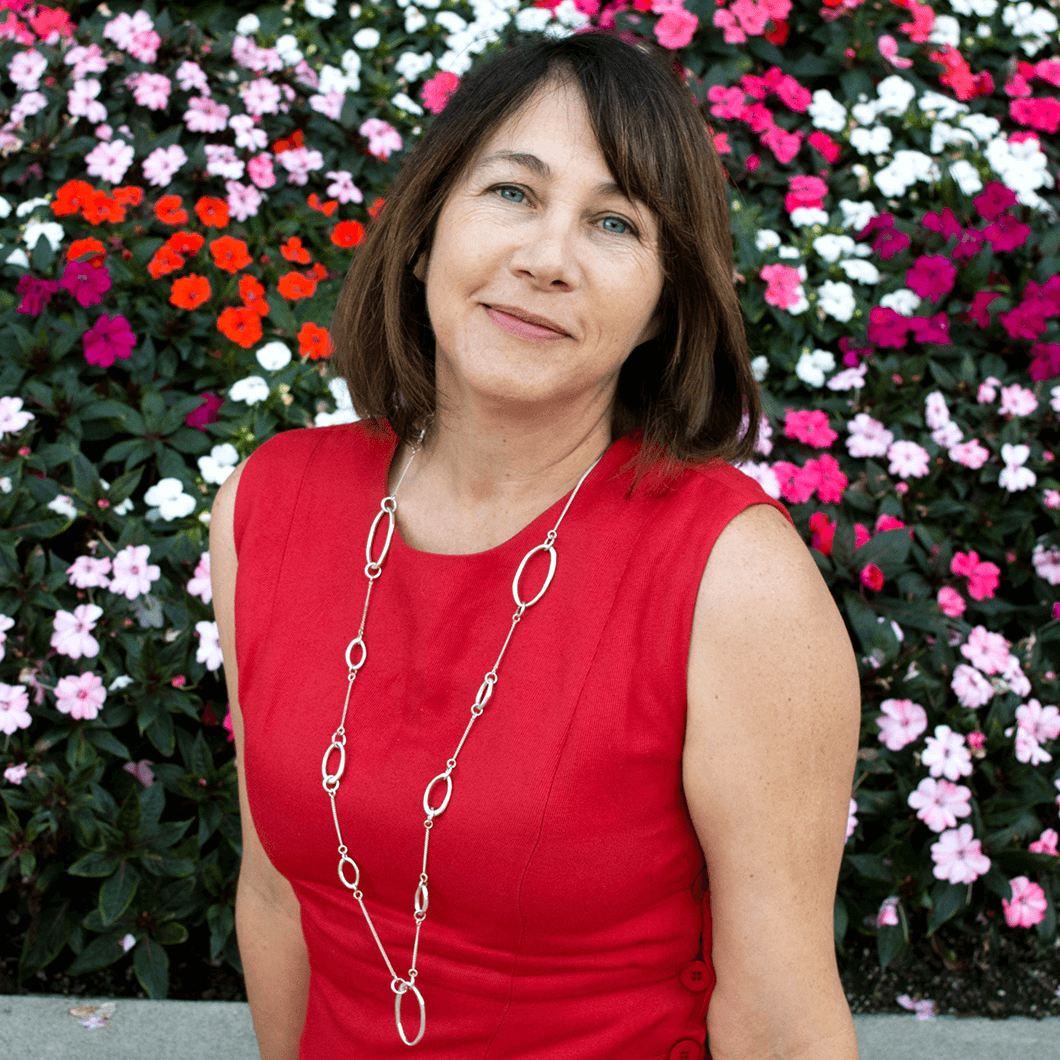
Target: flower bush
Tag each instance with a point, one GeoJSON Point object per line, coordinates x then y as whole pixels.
{"type": "Point", "coordinates": [179, 205]}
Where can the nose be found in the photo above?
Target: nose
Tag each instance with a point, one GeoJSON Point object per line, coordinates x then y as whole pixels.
{"type": "Point", "coordinates": [546, 252]}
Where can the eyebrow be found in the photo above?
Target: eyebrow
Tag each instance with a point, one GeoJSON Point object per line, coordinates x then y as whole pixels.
{"type": "Point", "coordinates": [542, 169]}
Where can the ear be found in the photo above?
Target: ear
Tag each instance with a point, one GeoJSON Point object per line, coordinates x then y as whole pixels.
{"type": "Point", "coordinates": [653, 327]}
{"type": "Point", "coordinates": [419, 267]}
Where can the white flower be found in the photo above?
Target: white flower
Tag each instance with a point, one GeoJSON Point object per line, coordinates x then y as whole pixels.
{"type": "Point", "coordinates": [12, 416]}
{"type": "Point", "coordinates": [248, 25]}
{"type": "Point", "coordinates": [167, 500]}
{"type": "Point", "coordinates": [6, 485]}
{"type": "Point", "coordinates": [119, 683]}
{"type": "Point", "coordinates": [5, 208]}
{"type": "Point", "coordinates": [251, 390]}
{"type": "Point", "coordinates": [320, 8]}
{"type": "Point", "coordinates": [1028, 21]}
{"type": "Point", "coordinates": [944, 135]}
{"type": "Point", "coordinates": [832, 247]}
{"type": "Point", "coordinates": [410, 66]}
{"type": "Point", "coordinates": [874, 141]}
{"type": "Point", "coordinates": [366, 39]}
{"type": "Point", "coordinates": [856, 214]}
{"type": "Point", "coordinates": [287, 47]}
{"type": "Point", "coordinates": [895, 94]}
{"type": "Point", "coordinates": [415, 20]}
{"type": "Point", "coordinates": [804, 216]}
{"type": "Point", "coordinates": [904, 170]}
{"type": "Point", "coordinates": [936, 105]}
{"type": "Point", "coordinates": [24, 209]}
{"type": "Point", "coordinates": [812, 367]}
{"type": "Point", "coordinates": [837, 300]}
{"type": "Point", "coordinates": [37, 230]}
{"type": "Point", "coordinates": [219, 464]}
{"type": "Point", "coordinates": [760, 365]}
{"type": "Point", "coordinates": [868, 437]}
{"type": "Point", "coordinates": [273, 356]}
{"type": "Point", "coordinates": [826, 112]}
{"type": "Point", "coordinates": [404, 102]}
{"type": "Point", "coordinates": [1015, 476]}
{"type": "Point", "coordinates": [1047, 563]}
{"type": "Point", "coordinates": [764, 475]}
{"type": "Point", "coordinates": [789, 253]}
{"type": "Point", "coordinates": [947, 30]}
{"type": "Point", "coordinates": [209, 650]}
{"type": "Point", "coordinates": [767, 239]}
{"type": "Point", "coordinates": [982, 8]}
{"type": "Point", "coordinates": [901, 301]}
{"type": "Point", "coordinates": [966, 176]}
{"type": "Point", "coordinates": [981, 126]}
{"type": "Point", "coordinates": [64, 506]}
{"type": "Point", "coordinates": [532, 19]}
{"type": "Point", "coordinates": [344, 411]}
{"type": "Point", "coordinates": [860, 271]}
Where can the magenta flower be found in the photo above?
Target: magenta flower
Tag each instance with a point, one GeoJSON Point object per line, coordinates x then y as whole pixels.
{"type": "Point", "coordinates": [824, 144]}
{"type": "Point", "coordinates": [968, 245]}
{"type": "Point", "coordinates": [85, 282]}
{"type": "Point", "coordinates": [1028, 904]}
{"type": "Point", "coordinates": [809, 426]}
{"type": "Point", "coordinates": [80, 696]}
{"type": "Point", "coordinates": [1045, 363]}
{"type": "Point", "coordinates": [931, 329]}
{"type": "Point", "coordinates": [1026, 321]}
{"type": "Point", "coordinates": [950, 602]}
{"type": "Point", "coordinates": [945, 223]}
{"type": "Point", "coordinates": [805, 192]}
{"type": "Point", "coordinates": [436, 92]}
{"type": "Point", "coordinates": [1006, 233]}
{"type": "Point", "coordinates": [36, 294]}
{"type": "Point", "coordinates": [931, 277]}
{"type": "Point", "coordinates": [205, 413]}
{"type": "Point", "coordinates": [901, 722]}
{"type": "Point", "coordinates": [888, 328]}
{"type": "Point", "coordinates": [979, 310]}
{"type": "Point", "coordinates": [994, 200]}
{"type": "Point", "coordinates": [109, 338]}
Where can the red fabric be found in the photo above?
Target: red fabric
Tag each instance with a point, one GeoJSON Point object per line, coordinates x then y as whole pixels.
{"type": "Point", "coordinates": [563, 875]}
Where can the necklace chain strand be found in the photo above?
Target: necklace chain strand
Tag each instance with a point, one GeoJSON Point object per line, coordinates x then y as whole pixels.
{"type": "Point", "coordinates": [421, 898]}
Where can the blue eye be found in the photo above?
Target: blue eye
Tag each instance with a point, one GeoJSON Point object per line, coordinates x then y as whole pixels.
{"type": "Point", "coordinates": [626, 229]}
{"type": "Point", "coordinates": [502, 188]}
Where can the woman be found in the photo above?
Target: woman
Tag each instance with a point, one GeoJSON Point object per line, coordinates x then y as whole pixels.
{"type": "Point", "coordinates": [543, 328]}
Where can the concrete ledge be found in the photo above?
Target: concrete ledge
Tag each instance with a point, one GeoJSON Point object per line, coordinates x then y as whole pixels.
{"type": "Point", "coordinates": [40, 1027]}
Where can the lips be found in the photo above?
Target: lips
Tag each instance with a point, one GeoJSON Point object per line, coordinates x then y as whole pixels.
{"type": "Point", "coordinates": [528, 318]}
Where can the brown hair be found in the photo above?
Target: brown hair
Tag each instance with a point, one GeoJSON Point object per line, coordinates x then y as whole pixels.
{"type": "Point", "coordinates": [689, 387]}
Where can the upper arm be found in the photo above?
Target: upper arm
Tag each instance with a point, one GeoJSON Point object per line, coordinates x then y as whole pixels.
{"type": "Point", "coordinates": [772, 735]}
{"type": "Point", "coordinates": [256, 870]}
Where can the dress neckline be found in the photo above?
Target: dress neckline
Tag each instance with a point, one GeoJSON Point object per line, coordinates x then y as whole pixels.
{"type": "Point", "coordinates": [613, 458]}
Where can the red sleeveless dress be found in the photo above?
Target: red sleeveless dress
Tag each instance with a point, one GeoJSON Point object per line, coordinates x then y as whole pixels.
{"type": "Point", "coordinates": [568, 916]}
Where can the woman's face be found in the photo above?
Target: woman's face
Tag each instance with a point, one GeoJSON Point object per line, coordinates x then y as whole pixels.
{"type": "Point", "coordinates": [536, 227]}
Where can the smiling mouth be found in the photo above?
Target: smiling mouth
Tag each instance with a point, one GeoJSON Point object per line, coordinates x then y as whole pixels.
{"type": "Point", "coordinates": [526, 329]}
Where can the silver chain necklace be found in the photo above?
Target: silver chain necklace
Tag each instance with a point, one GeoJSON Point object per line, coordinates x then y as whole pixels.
{"type": "Point", "coordinates": [373, 568]}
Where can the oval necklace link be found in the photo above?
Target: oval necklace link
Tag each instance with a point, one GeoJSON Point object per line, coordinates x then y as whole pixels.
{"type": "Point", "coordinates": [331, 781]}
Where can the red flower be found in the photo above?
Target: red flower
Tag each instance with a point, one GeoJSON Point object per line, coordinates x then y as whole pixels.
{"type": "Point", "coordinates": [373, 210]}
{"type": "Point", "coordinates": [872, 577]}
{"type": "Point", "coordinates": [253, 295]}
{"type": "Point", "coordinates": [822, 533]}
{"type": "Point", "coordinates": [347, 233]}
{"type": "Point", "coordinates": [314, 341]}
{"type": "Point", "coordinates": [230, 254]}
{"type": "Point", "coordinates": [295, 285]}
{"type": "Point", "coordinates": [164, 261]}
{"type": "Point", "coordinates": [80, 247]}
{"type": "Point", "coordinates": [296, 139]}
{"type": "Point", "coordinates": [72, 197]}
{"type": "Point", "coordinates": [189, 243]}
{"type": "Point", "coordinates": [169, 210]}
{"type": "Point", "coordinates": [778, 35]}
{"type": "Point", "coordinates": [130, 195]}
{"type": "Point", "coordinates": [101, 207]}
{"type": "Point", "coordinates": [318, 271]}
{"type": "Point", "coordinates": [189, 292]}
{"type": "Point", "coordinates": [326, 208]}
{"type": "Point", "coordinates": [241, 325]}
{"type": "Point", "coordinates": [212, 212]}
{"type": "Point", "coordinates": [823, 143]}
{"type": "Point", "coordinates": [293, 250]}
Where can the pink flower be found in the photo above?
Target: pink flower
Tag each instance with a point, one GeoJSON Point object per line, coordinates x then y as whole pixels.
{"type": "Point", "coordinates": [889, 50]}
{"type": "Point", "coordinates": [970, 687]}
{"type": "Point", "coordinates": [80, 696]}
{"type": "Point", "coordinates": [958, 857]}
{"type": "Point", "coordinates": [209, 650]}
{"type": "Point", "coordinates": [85, 282]}
{"type": "Point", "coordinates": [939, 803]}
{"type": "Point", "coordinates": [806, 192]}
{"type": "Point", "coordinates": [1046, 843]}
{"type": "Point", "coordinates": [15, 774]}
{"type": "Point", "coordinates": [726, 21]}
{"type": "Point", "coordinates": [73, 631]}
{"type": "Point", "coordinates": [946, 754]}
{"type": "Point", "coordinates": [204, 115]}
{"type": "Point", "coordinates": [752, 17]}
{"type": "Point", "coordinates": [831, 481]}
{"type": "Point", "coordinates": [923, 22]}
{"type": "Point", "coordinates": [1042, 113]}
{"type": "Point", "coordinates": [1028, 904]}
{"type": "Point", "coordinates": [797, 484]}
{"type": "Point", "coordinates": [986, 651]}
{"type": "Point", "coordinates": [1028, 749]}
{"type": "Point", "coordinates": [676, 27]}
{"type": "Point", "coordinates": [260, 171]}
{"type": "Point", "coordinates": [852, 817]}
{"type": "Point", "coordinates": [784, 145]}
{"type": "Point", "coordinates": [244, 200]}
{"type": "Point", "coordinates": [793, 95]}
{"type": "Point", "coordinates": [983, 577]}
{"type": "Point", "coordinates": [901, 722]}
{"type": "Point", "coordinates": [872, 577]}
{"type": "Point", "coordinates": [383, 138]}
{"type": "Point", "coordinates": [728, 103]}
{"type": "Point", "coordinates": [908, 460]}
{"type": "Point", "coordinates": [109, 338]}
{"type": "Point", "coordinates": [205, 413]}
{"type": "Point", "coordinates": [887, 328]}
{"type": "Point", "coordinates": [1006, 233]}
{"type": "Point", "coordinates": [151, 90]}
{"type": "Point", "coordinates": [133, 575]}
{"type": "Point", "coordinates": [342, 186]}
{"type": "Point", "coordinates": [109, 161]}
{"type": "Point", "coordinates": [783, 286]}
{"type": "Point", "coordinates": [810, 427]}
{"type": "Point", "coordinates": [867, 437]}
{"type": "Point", "coordinates": [970, 454]}
{"type": "Point", "coordinates": [931, 277]}
{"type": "Point", "coordinates": [142, 771]}
{"type": "Point", "coordinates": [925, 1010]}
{"type": "Point", "coordinates": [162, 163]}
{"type": "Point", "coordinates": [951, 602]}
{"type": "Point", "coordinates": [200, 584]}
{"type": "Point", "coordinates": [1043, 723]}
{"type": "Point", "coordinates": [436, 92]}
{"type": "Point", "coordinates": [888, 914]}
{"type": "Point", "coordinates": [1017, 401]}
{"type": "Point", "coordinates": [299, 163]}
{"type": "Point", "coordinates": [993, 200]}
{"type": "Point", "coordinates": [87, 572]}
{"type": "Point", "coordinates": [260, 96]}
{"type": "Point", "coordinates": [828, 148]}
{"type": "Point", "coordinates": [14, 708]}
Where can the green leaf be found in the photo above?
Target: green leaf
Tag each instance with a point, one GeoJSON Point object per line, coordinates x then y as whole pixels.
{"type": "Point", "coordinates": [105, 740]}
{"type": "Point", "coordinates": [94, 863]}
{"type": "Point", "coordinates": [171, 933]}
{"type": "Point", "coordinates": [889, 550]}
{"type": "Point", "coordinates": [151, 964]}
{"type": "Point", "coordinates": [947, 900]}
{"type": "Point", "coordinates": [870, 865]}
{"type": "Point", "coordinates": [44, 940]}
{"type": "Point", "coordinates": [118, 891]}
{"type": "Point", "coordinates": [891, 940]}
{"type": "Point", "coordinates": [102, 951]}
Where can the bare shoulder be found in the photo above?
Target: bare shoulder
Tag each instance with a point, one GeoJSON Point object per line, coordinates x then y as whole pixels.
{"type": "Point", "coordinates": [222, 532]}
